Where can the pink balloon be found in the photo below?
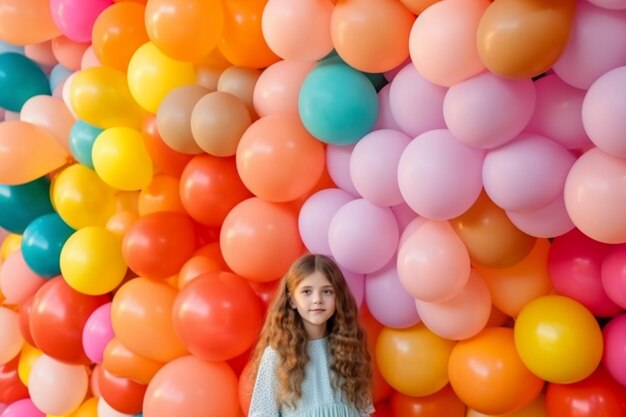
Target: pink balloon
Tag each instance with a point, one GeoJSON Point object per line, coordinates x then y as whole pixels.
{"type": "Point", "coordinates": [595, 196]}
{"type": "Point", "coordinates": [356, 284]}
{"type": "Point", "coordinates": [404, 214]}
{"type": "Point", "coordinates": [363, 237]}
{"type": "Point", "coordinates": [603, 112]}
{"type": "Point", "coordinates": [387, 299]}
{"type": "Point", "coordinates": [22, 408]}
{"type": "Point", "coordinates": [76, 18]}
{"type": "Point", "coordinates": [614, 357]}
{"type": "Point", "coordinates": [416, 103]}
{"type": "Point", "coordinates": [550, 220]}
{"type": "Point", "coordinates": [17, 281]}
{"type": "Point", "coordinates": [613, 275]}
{"type": "Point", "coordinates": [440, 177]}
{"type": "Point", "coordinates": [385, 118]}
{"type": "Point", "coordinates": [612, 5]}
{"type": "Point", "coordinates": [558, 114]}
{"type": "Point", "coordinates": [597, 44]}
{"type": "Point", "coordinates": [462, 316]}
{"type": "Point", "coordinates": [315, 217]}
{"type": "Point", "coordinates": [410, 228]}
{"type": "Point", "coordinates": [433, 262]}
{"type": "Point", "coordinates": [574, 266]}
{"type": "Point", "coordinates": [97, 332]}
{"type": "Point", "coordinates": [278, 87]}
{"type": "Point", "coordinates": [374, 166]}
{"type": "Point", "coordinates": [487, 111]}
{"type": "Point", "coordinates": [338, 165]}
{"type": "Point", "coordinates": [527, 173]}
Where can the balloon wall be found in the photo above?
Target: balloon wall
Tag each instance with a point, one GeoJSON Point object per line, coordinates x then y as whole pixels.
{"type": "Point", "coordinates": [163, 162]}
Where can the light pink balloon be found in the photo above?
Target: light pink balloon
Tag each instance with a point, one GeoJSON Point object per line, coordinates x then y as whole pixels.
{"type": "Point", "coordinates": [387, 299]}
{"type": "Point", "coordinates": [17, 281]}
{"type": "Point", "coordinates": [442, 42]}
{"type": "Point", "coordinates": [97, 332]}
{"type": "Point", "coordinates": [404, 214]}
{"type": "Point", "coordinates": [433, 262]}
{"type": "Point", "coordinates": [50, 113]}
{"type": "Point", "coordinates": [12, 340]}
{"type": "Point", "coordinates": [315, 216]}
{"type": "Point", "coordinates": [614, 357]}
{"type": "Point", "coordinates": [597, 44]}
{"type": "Point", "coordinates": [89, 59]}
{"type": "Point", "coordinates": [558, 114]}
{"type": "Point", "coordinates": [603, 112]}
{"type": "Point", "coordinates": [22, 408]}
{"type": "Point", "coordinates": [612, 5]}
{"type": "Point", "coordinates": [385, 119]}
{"type": "Point", "coordinates": [463, 315]}
{"type": "Point", "coordinates": [356, 284]}
{"type": "Point", "coordinates": [416, 103]}
{"type": "Point", "coordinates": [374, 166]}
{"type": "Point", "coordinates": [527, 173]}
{"type": "Point", "coordinates": [363, 237]}
{"type": "Point", "coordinates": [338, 165]}
{"type": "Point", "coordinates": [551, 220]}
{"type": "Point", "coordinates": [487, 111]}
{"type": "Point", "coordinates": [76, 18]}
{"type": "Point", "coordinates": [278, 87]}
{"type": "Point", "coordinates": [440, 177]}
{"type": "Point", "coordinates": [613, 275]}
{"type": "Point", "coordinates": [595, 196]}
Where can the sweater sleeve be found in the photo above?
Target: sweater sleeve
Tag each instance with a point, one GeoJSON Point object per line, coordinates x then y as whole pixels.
{"type": "Point", "coordinates": [263, 403]}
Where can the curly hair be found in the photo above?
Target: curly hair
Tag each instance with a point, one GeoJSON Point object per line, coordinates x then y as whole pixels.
{"type": "Point", "coordinates": [284, 332]}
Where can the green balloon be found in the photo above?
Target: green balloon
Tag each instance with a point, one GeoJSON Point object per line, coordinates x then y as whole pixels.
{"type": "Point", "coordinates": [20, 79]}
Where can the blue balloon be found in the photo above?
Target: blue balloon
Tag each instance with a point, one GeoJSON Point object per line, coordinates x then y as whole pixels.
{"type": "Point", "coordinates": [82, 137]}
{"type": "Point", "coordinates": [7, 47]}
{"type": "Point", "coordinates": [337, 103]}
{"type": "Point", "coordinates": [42, 243]}
{"type": "Point", "coordinates": [20, 79]}
{"type": "Point", "coordinates": [58, 74]}
{"type": "Point", "coordinates": [21, 204]}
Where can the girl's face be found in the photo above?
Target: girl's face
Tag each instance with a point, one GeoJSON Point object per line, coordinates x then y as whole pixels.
{"type": "Point", "coordinates": [314, 298]}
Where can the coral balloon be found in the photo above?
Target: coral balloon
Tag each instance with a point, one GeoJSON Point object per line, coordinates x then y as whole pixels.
{"type": "Point", "coordinates": [120, 361]}
{"type": "Point", "coordinates": [442, 403]}
{"type": "Point", "coordinates": [11, 387]}
{"type": "Point", "coordinates": [27, 22]}
{"type": "Point", "coordinates": [123, 394]}
{"type": "Point", "coordinates": [163, 157]}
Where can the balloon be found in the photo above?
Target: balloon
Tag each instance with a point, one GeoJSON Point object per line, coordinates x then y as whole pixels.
{"type": "Point", "coordinates": [11, 387]}
{"type": "Point", "coordinates": [537, 33]}
{"type": "Point", "coordinates": [22, 408]}
{"type": "Point", "coordinates": [338, 164]}
{"type": "Point", "coordinates": [120, 361]}
{"type": "Point", "coordinates": [20, 79]}
{"type": "Point", "coordinates": [441, 403]}
{"type": "Point", "coordinates": [550, 220]}
{"type": "Point", "coordinates": [21, 204]}
{"type": "Point", "coordinates": [12, 339]}
{"type": "Point", "coordinates": [81, 139]}
{"type": "Point", "coordinates": [184, 30]}
{"type": "Point", "coordinates": [42, 243]}
{"type": "Point", "coordinates": [613, 275]}
{"type": "Point", "coordinates": [558, 339]}
{"type": "Point", "coordinates": [122, 394]}
{"type": "Point", "coordinates": [218, 316]}
{"type": "Point", "coordinates": [27, 22]}
{"type": "Point", "coordinates": [17, 281]}
{"type": "Point", "coordinates": [240, 82]}
{"type": "Point", "coordinates": [614, 347]}
{"type": "Point", "coordinates": [97, 332]}
{"type": "Point", "coordinates": [27, 152]}
{"type": "Point", "coordinates": [52, 114]}
{"type": "Point", "coordinates": [163, 157]}
{"type": "Point", "coordinates": [76, 18]}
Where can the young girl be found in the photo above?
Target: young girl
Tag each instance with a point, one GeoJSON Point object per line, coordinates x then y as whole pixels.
{"type": "Point", "coordinates": [311, 359]}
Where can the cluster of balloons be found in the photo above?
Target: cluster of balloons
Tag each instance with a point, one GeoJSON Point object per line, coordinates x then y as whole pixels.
{"type": "Point", "coordinates": [163, 162]}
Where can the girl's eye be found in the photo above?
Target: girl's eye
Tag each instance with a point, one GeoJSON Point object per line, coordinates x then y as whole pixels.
{"type": "Point", "coordinates": [306, 292]}
{"type": "Point", "coordinates": [328, 291]}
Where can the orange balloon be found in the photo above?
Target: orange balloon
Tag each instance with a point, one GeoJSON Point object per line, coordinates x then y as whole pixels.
{"type": "Point", "coordinates": [26, 22]}
{"type": "Point", "coordinates": [28, 152]}
{"type": "Point", "coordinates": [278, 159]}
{"type": "Point", "coordinates": [166, 159]}
{"type": "Point", "coordinates": [124, 363]}
{"type": "Point", "coordinates": [523, 38]}
{"type": "Point", "coordinates": [362, 36]}
{"type": "Point", "coordinates": [488, 375]}
{"type": "Point", "coordinates": [117, 33]}
{"type": "Point", "coordinates": [69, 53]}
{"type": "Point", "coordinates": [490, 237]}
{"type": "Point", "coordinates": [513, 287]}
{"type": "Point", "coordinates": [123, 394]}
{"type": "Point", "coordinates": [242, 40]}
{"type": "Point", "coordinates": [260, 240]}
{"type": "Point", "coordinates": [121, 221]}
{"type": "Point", "coordinates": [141, 315]}
{"type": "Point", "coordinates": [185, 30]}
{"type": "Point", "coordinates": [442, 403]}
{"type": "Point", "coordinates": [161, 195]}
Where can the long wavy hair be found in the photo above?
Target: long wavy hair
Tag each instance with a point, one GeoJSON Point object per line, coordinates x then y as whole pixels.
{"type": "Point", "coordinates": [284, 332]}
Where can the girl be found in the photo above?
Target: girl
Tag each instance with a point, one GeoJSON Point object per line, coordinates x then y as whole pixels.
{"type": "Point", "coordinates": [311, 359]}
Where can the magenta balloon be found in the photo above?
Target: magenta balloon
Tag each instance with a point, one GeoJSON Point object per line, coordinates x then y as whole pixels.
{"type": "Point", "coordinates": [614, 357]}
{"type": "Point", "coordinates": [613, 274]}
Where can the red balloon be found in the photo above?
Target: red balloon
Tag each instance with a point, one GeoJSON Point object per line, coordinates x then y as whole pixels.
{"type": "Point", "coordinates": [158, 244]}
{"type": "Point", "coordinates": [123, 394]}
{"type": "Point", "coordinates": [217, 316]}
{"type": "Point", "coordinates": [442, 403]}
{"type": "Point", "coordinates": [383, 409]}
{"type": "Point", "coordinates": [57, 318]}
{"type": "Point", "coordinates": [11, 386]}
{"type": "Point", "coordinates": [166, 159]}
{"type": "Point", "coordinates": [210, 187]}
{"type": "Point", "coordinates": [24, 320]}
{"type": "Point", "coordinates": [598, 395]}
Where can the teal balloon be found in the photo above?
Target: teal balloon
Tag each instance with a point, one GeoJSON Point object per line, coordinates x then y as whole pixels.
{"type": "Point", "coordinates": [20, 79]}
{"type": "Point", "coordinates": [82, 137]}
{"type": "Point", "coordinates": [42, 242]}
{"type": "Point", "coordinates": [21, 204]}
{"type": "Point", "coordinates": [337, 103]}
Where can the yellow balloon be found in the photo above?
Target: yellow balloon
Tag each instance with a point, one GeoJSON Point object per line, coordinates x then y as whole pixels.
{"type": "Point", "coordinates": [100, 96]}
{"type": "Point", "coordinates": [414, 361]}
{"type": "Point", "coordinates": [27, 358]}
{"type": "Point", "coordinates": [89, 408]}
{"type": "Point", "coordinates": [121, 159]}
{"type": "Point", "coordinates": [81, 198]}
{"type": "Point", "coordinates": [558, 339]}
{"type": "Point", "coordinates": [10, 244]}
{"type": "Point", "coordinates": [92, 261]}
{"type": "Point", "coordinates": [152, 74]}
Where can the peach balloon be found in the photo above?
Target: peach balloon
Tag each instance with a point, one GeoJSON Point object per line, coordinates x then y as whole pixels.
{"type": "Point", "coordinates": [442, 42]}
{"type": "Point", "coordinates": [120, 361]}
{"type": "Point", "coordinates": [27, 22]}
{"type": "Point", "coordinates": [42, 54]}
{"type": "Point", "coordinates": [418, 6]}
{"type": "Point", "coordinates": [68, 52]}
{"type": "Point", "coordinates": [52, 114]}
{"type": "Point", "coordinates": [372, 35]}
{"type": "Point", "coordinates": [17, 281]}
